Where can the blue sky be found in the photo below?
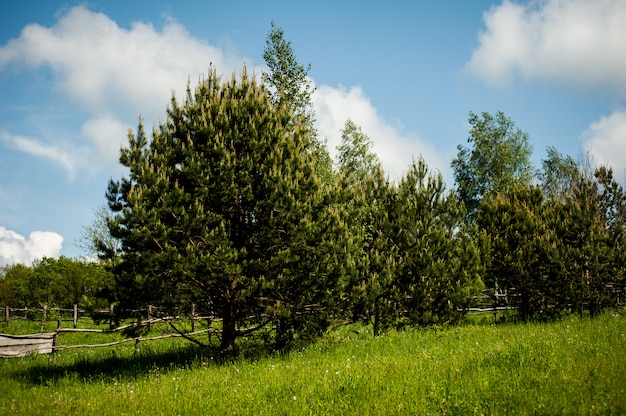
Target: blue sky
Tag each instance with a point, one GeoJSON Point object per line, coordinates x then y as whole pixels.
{"type": "Point", "coordinates": [74, 76]}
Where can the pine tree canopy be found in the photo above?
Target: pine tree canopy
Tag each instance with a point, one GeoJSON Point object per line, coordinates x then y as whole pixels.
{"type": "Point", "coordinates": [223, 208]}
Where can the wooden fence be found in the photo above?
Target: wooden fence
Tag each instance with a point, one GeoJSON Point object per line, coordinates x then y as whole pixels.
{"type": "Point", "coordinates": [22, 313]}
{"type": "Point", "coordinates": [21, 345]}
{"type": "Point", "coordinates": [491, 301]}
{"type": "Point", "coordinates": [45, 343]}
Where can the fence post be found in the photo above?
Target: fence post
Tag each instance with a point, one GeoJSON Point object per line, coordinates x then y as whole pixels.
{"type": "Point", "coordinates": [495, 305]}
{"type": "Point", "coordinates": [193, 317]}
{"type": "Point", "coordinates": [111, 320]}
{"type": "Point", "coordinates": [7, 316]}
{"type": "Point", "coordinates": [75, 316]}
{"type": "Point", "coordinates": [43, 317]}
{"type": "Point", "coordinates": [149, 317]}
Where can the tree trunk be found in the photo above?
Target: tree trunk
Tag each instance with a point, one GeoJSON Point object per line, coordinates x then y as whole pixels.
{"type": "Point", "coordinates": [376, 318]}
{"type": "Point", "coordinates": [229, 331]}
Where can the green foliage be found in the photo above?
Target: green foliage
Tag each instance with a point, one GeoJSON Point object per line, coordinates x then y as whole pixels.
{"type": "Point", "coordinates": [440, 261]}
{"type": "Point", "coordinates": [366, 197]}
{"type": "Point", "coordinates": [593, 264]}
{"type": "Point", "coordinates": [519, 235]}
{"type": "Point", "coordinates": [56, 283]}
{"type": "Point", "coordinates": [499, 158]}
{"type": "Point", "coordinates": [558, 174]}
{"type": "Point", "coordinates": [223, 207]}
{"type": "Point", "coordinates": [356, 159]}
{"type": "Point", "coordinates": [559, 253]}
{"type": "Point", "coordinates": [287, 79]}
{"type": "Point", "coordinates": [14, 286]}
{"type": "Point", "coordinates": [288, 84]}
{"type": "Point", "coordinates": [96, 239]}
{"type": "Point", "coordinates": [420, 264]}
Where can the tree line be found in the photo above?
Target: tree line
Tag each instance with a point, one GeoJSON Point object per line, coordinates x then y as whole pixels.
{"type": "Point", "coordinates": [234, 204]}
{"type": "Point", "coordinates": [56, 283]}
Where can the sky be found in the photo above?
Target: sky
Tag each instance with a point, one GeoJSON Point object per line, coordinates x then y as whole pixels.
{"type": "Point", "coordinates": [75, 76]}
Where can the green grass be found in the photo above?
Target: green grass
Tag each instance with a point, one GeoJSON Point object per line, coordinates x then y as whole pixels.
{"type": "Point", "coordinates": [575, 366]}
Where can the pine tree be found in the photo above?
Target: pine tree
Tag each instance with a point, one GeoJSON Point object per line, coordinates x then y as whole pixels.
{"type": "Point", "coordinates": [223, 208]}
{"type": "Point", "coordinates": [368, 197]}
{"type": "Point", "coordinates": [520, 239]}
{"type": "Point", "coordinates": [440, 259]}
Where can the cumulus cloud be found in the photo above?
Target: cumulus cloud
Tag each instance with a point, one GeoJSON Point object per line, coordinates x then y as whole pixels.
{"type": "Point", "coordinates": [113, 73]}
{"type": "Point", "coordinates": [574, 42]}
{"type": "Point", "coordinates": [15, 248]}
{"type": "Point", "coordinates": [117, 73]}
{"type": "Point", "coordinates": [606, 140]}
{"type": "Point", "coordinates": [395, 148]}
{"type": "Point", "coordinates": [106, 134]}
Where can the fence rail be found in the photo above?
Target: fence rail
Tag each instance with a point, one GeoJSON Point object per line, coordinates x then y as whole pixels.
{"type": "Point", "coordinates": [45, 343]}
{"type": "Point", "coordinates": [21, 345]}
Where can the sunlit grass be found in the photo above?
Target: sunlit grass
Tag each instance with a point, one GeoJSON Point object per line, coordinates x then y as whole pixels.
{"type": "Point", "coordinates": [576, 366]}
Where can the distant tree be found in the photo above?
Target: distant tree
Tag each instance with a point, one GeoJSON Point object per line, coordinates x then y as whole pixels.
{"type": "Point", "coordinates": [499, 157]}
{"type": "Point", "coordinates": [591, 228]}
{"type": "Point", "coordinates": [559, 246]}
{"type": "Point", "coordinates": [558, 174]}
{"type": "Point", "coordinates": [287, 79]}
{"type": "Point", "coordinates": [376, 284]}
{"type": "Point", "coordinates": [14, 286]}
{"type": "Point", "coordinates": [288, 84]}
{"type": "Point", "coordinates": [96, 239]}
{"type": "Point", "coordinates": [223, 207]}
{"type": "Point", "coordinates": [65, 282]}
{"type": "Point", "coordinates": [355, 157]}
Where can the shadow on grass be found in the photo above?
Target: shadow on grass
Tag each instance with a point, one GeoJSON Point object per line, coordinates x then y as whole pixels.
{"type": "Point", "coordinates": [114, 365]}
{"type": "Point", "coordinates": [110, 365]}
{"type": "Point", "coordinates": [124, 364]}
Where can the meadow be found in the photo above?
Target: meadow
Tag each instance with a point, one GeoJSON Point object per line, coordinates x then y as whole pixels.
{"type": "Point", "coordinates": [573, 366]}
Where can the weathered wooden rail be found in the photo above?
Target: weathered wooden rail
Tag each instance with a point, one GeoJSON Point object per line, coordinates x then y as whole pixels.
{"type": "Point", "coordinates": [45, 343]}
{"type": "Point", "coordinates": [22, 345]}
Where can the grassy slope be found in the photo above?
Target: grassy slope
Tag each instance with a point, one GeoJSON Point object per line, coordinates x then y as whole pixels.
{"type": "Point", "coordinates": [577, 366]}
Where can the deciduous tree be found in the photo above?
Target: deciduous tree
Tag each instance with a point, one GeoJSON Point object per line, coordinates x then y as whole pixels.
{"type": "Point", "coordinates": [289, 84]}
{"type": "Point", "coordinates": [499, 157]}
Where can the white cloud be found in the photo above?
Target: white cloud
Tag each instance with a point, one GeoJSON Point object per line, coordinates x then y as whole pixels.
{"type": "Point", "coordinates": [107, 134]}
{"type": "Point", "coordinates": [395, 148]}
{"type": "Point", "coordinates": [575, 42]}
{"type": "Point", "coordinates": [99, 63]}
{"type": "Point", "coordinates": [56, 154]}
{"type": "Point", "coordinates": [15, 248]}
{"type": "Point", "coordinates": [118, 73]}
{"type": "Point", "coordinates": [606, 140]}
{"type": "Point", "coordinates": [114, 73]}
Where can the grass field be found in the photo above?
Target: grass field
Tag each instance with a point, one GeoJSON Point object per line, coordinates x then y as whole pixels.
{"type": "Point", "coordinates": [575, 366]}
